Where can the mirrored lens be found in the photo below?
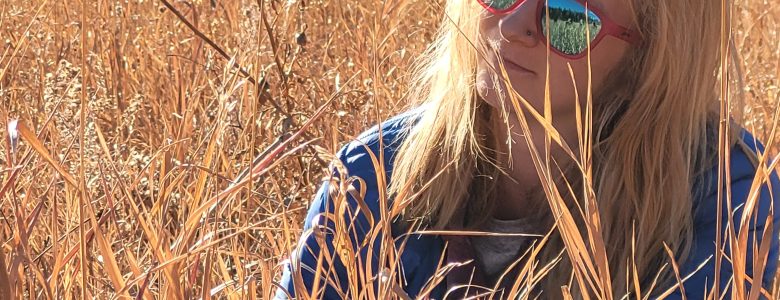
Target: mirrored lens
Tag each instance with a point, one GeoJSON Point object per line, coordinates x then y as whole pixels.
{"type": "Point", "coordinates": [569, 25]}
{"type": "Point", "coordinates": [499, 4]}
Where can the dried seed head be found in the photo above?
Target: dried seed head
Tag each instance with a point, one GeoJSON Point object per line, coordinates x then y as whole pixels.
{"type": "Point", "coordinates": [384, 275]}
{"type": "Point", "coordinates": [495, 44]}
{"type": "Point", "coordinates": [13, 135]}
{"type": "Point", "coordinates": [300, 38]}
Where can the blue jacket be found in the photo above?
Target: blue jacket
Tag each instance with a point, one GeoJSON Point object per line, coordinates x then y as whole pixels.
{"type": "Point", "coordinates": [422, 253]}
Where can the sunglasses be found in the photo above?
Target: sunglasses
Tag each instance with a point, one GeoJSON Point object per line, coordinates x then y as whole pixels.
{"type": "Point", "coordinates": [569, 24]}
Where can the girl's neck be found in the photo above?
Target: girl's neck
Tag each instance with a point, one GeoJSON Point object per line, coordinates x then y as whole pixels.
{"type": "Point", "coordinates": [518, 192]}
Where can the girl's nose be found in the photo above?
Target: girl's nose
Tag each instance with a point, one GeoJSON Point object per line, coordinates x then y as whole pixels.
{"type": "Point", "coordinates": [519, 25]}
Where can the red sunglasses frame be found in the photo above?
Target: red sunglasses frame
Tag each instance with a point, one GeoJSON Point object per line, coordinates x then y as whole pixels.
{"type": "Point", "coordinates": [608, 27]}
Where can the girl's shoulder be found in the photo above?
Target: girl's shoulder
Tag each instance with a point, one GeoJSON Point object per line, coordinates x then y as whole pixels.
{"type": "Point", "coordinates": [754, 189]}
{"type": "Point", "coordinates": [361, 156]}
{"type": "Point", "coordinates": [745, 161]}
{"type": "Point", "coordinates": [751, 182]}
{"type": "Point", "coordinates": [351, 193]}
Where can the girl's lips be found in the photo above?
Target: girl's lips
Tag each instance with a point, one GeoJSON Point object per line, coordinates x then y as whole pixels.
{"type": "Point", "coordinates": [512, 65]}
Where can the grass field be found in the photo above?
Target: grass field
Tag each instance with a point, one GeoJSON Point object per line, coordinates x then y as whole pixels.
{"type": "Point", "coordinates": [568, 32]}
{"type": "Point", "coordinates": [570, 38]}
{"type": "Point", "coordinates": [134, 128]}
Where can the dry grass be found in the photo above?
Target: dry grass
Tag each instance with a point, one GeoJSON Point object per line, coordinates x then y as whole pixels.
{"type": "Point", "coordinates": [141, 131]}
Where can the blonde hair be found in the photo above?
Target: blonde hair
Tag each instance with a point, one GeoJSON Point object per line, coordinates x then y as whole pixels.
{"type": "Point", "coordinates": [651, 138]}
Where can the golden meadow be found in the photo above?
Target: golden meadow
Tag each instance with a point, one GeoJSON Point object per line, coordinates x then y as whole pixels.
{"type": "Point", "coordinates": [169, 149]}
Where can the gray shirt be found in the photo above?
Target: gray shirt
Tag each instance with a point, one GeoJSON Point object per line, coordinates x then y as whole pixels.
{"type": "Point", "coordinates": [495, 253]}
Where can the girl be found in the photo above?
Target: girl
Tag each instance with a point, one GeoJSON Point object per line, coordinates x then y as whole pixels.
{"type": "Point", "coordinates": [587, 129]}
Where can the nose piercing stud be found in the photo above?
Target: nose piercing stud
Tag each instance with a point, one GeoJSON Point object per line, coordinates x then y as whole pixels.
{"type": "Point", "coordinates": [529, 33]}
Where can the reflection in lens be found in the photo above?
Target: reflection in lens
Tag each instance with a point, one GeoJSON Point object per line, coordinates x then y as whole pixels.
{"type": "Point", "coordinates": [567, 26]}
{"type": "Point", "coordinates": [499, 4]}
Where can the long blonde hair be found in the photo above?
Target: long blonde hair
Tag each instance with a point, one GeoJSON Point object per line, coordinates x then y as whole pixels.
{"type": "Point", "coordinates": [651, 137]}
